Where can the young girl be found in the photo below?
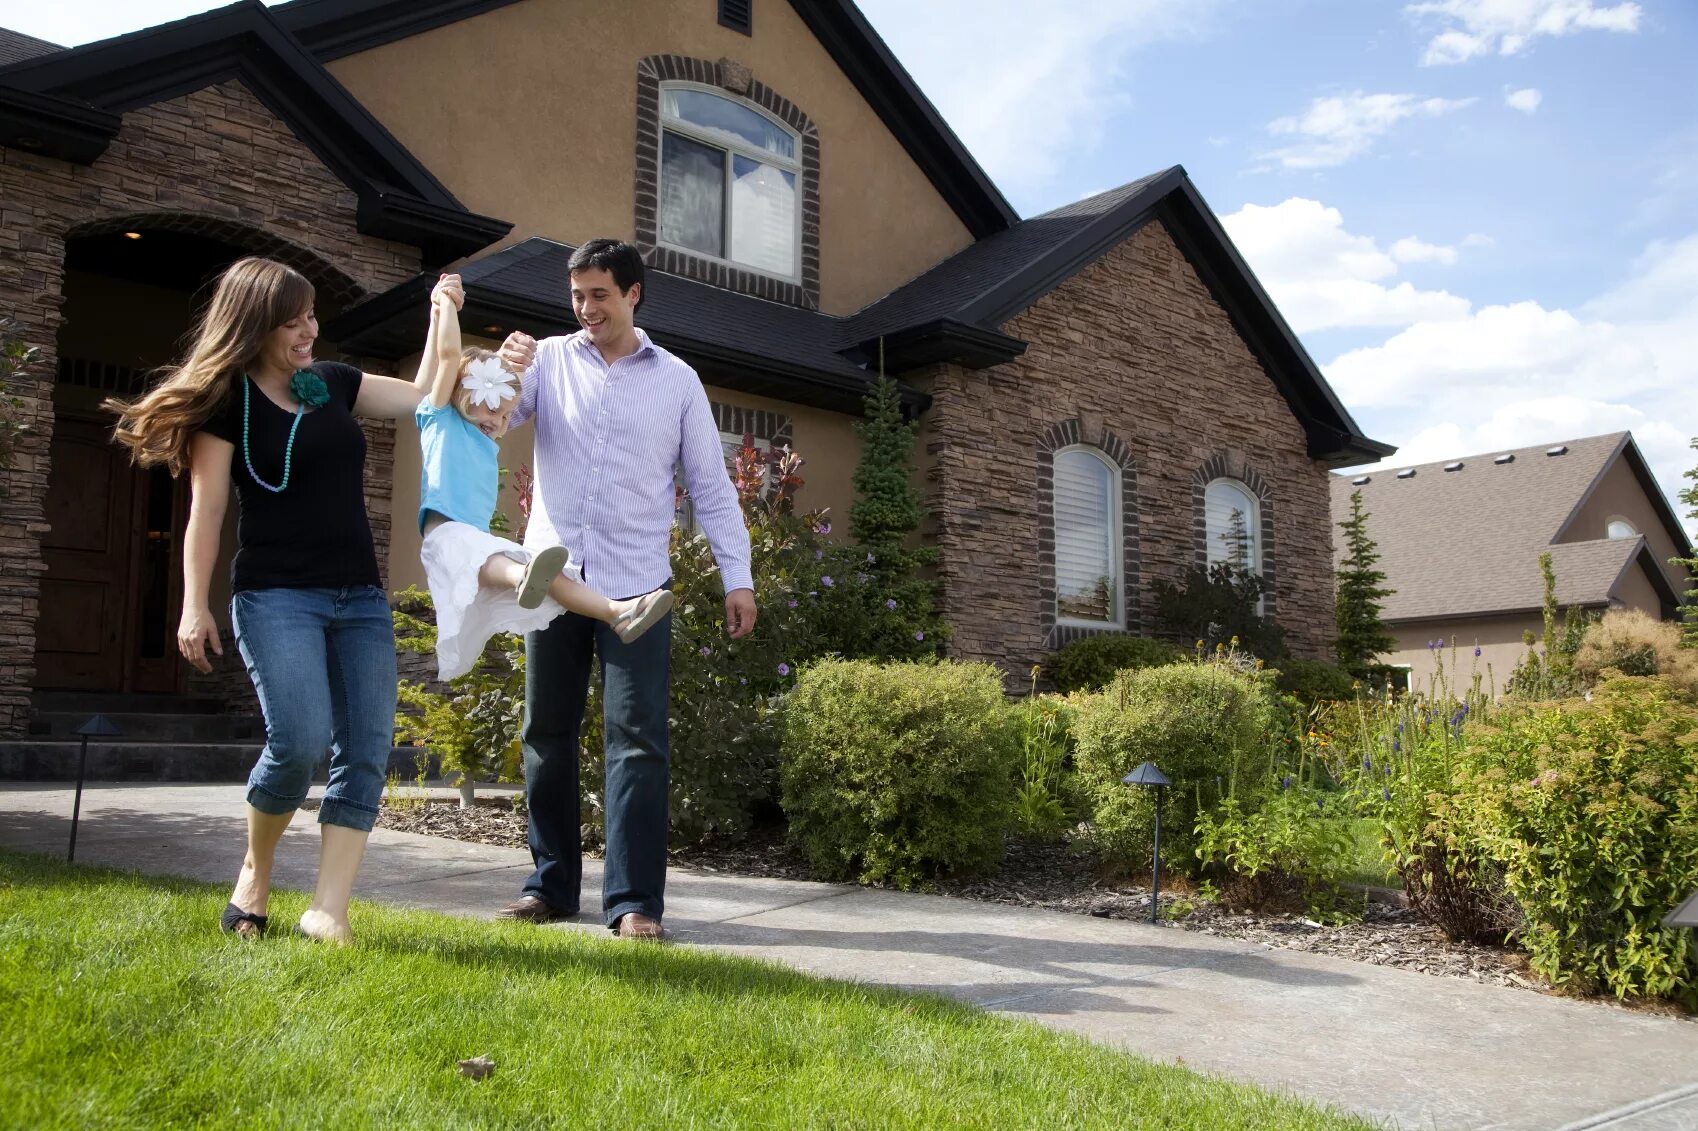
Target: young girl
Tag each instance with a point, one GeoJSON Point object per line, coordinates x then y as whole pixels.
{"type": "Point", "coordinates": [482, 584]}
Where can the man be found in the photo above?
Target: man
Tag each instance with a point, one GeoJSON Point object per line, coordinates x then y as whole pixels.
{"type": "Point", "coordinates": [615, 414]}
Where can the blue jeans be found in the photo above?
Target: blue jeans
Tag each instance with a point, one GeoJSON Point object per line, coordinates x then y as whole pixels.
{"type": "Point", "coordinates": [636, 681]}
{"type": "Point", "coordinates": [323, 664]}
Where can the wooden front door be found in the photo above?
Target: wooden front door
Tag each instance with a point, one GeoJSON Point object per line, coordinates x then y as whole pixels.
{"type": "Point", "coordinates": [108, 609]}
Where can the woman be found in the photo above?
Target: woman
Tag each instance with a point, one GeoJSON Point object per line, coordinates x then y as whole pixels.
{"type": "Point", "coordinates": [249, 406]}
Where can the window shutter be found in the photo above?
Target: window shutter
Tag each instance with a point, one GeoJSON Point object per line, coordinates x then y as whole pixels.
{"type": "Point", "coordinates": [738, 15]}
{"type": "Point", "coordinates": [1087, 573]}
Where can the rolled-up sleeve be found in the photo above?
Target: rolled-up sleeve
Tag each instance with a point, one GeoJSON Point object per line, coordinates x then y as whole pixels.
{"type": "Point", "coordinates": [715, 499]}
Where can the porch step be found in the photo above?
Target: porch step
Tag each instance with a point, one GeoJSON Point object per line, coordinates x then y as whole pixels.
{"type": "Point", "coordinates": [151, 727]}
{"type": "Point", "coordinates": [129, 760]}
{"type": "Point", "coordinates": [123, 703]}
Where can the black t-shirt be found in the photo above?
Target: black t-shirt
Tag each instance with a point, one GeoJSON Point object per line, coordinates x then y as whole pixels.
{"type": "Point", "coordinates": [314, 533]}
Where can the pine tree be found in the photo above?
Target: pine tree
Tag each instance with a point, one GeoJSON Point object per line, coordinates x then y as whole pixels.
{"type": "Point", "coordinates": [1689, 607]}
{"type": "Point", "coordinates": [886, 511]}
{"type": "Point", "coordinates": [1362, 635]}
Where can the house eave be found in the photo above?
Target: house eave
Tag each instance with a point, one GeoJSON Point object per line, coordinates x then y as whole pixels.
{"type": "Point", "coordinates": [55, 127]}
{"type": "Point", "coordinates": [941, 340]}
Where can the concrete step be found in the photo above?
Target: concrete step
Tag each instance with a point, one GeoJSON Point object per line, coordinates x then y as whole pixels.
{"type": "Point", "coordinates": [125, 760]}
{"type": "Point", "coordinates": [155, 727]}
{"type": "Point", "coordinates": [124, 702]}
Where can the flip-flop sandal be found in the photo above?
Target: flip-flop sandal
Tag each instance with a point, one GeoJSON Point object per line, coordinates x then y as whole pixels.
{"type": "Point", "coordinates": [647, 613]}
{"type": "Point", "coordinates": [234, 917]}
{"type": "Point", "coordinates": [545, 565]}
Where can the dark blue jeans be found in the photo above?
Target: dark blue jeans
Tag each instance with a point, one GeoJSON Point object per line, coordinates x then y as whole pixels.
{"type": "Point", "coordinates": [323, 665]}
{"type": "Point", "coordinates": [636, 682]}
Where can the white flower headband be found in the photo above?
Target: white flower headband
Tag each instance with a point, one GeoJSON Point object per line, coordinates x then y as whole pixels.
{"type": "Point", "coordinates": [489, 383]}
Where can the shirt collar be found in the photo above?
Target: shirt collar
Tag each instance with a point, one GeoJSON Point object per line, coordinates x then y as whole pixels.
{"type": "Point", "coordinates": [644, 345]}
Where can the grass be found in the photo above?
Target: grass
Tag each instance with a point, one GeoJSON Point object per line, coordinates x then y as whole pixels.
{"type": "Point", "coordinates": [1371, 866]}
{"type": "Point", "coordinates": [123, 1007]}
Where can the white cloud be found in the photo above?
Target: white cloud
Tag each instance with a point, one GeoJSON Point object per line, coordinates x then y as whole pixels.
{"type": "Point", "coordinates": [1477, 239]}
{"type": "Point", "coordinates": [1022, 103]}
{"type": "Point", "coordinates": [1525, 101]}
{"type": "Point", "coordinates": [1520, 374]}
{"type": "Point", "coordinates": [1336, 128]}
{"type": "Point", "coordinates": [1412, 250]}
{"type": "Point", "coordinates": [1478, 27]}
{"type": "Point", "coordinates": [1323, 277]}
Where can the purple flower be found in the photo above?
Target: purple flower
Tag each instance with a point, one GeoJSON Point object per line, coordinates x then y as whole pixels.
{"type": "Point", "coordinates": [890, 604]}
{"type": "Point", "coordinates": [1476, 651]}
{"type": "Point", "coordinates": [823, 528]}
{"type": "Point", "coordinates": [783, 669]}
{"type": "Point", "coordinates": [1367, 764]}
{"type": "Point", "coordinates": [1318, 804]}
{"type": "Point", "coordinates": [706, 651]}
{"type": "Point", "coordinates": [1441, 642]}
{"type": "Point", "coordinates": [860, 579]}
{"type": "Point", "coordinates": [1386, 793]}
{"type": "Point", "coordinates": [871, 559]}
{"type": "Point", "coordinates": [1285, 782]}
{"type": "Point", "coordinates": [818, 554]}
{"type": "Point", "coordinates": [919, 636]}
{"type": "Point", "coordinates": [792, 604]}
{"type": "Point", "coordinates": [827, 581]}
{"type": "Point", "coordinates": [1429, 645]}
{"type": "Point", "coordinates": [813, 593]}
{"type": "Point", "coordinates": [742, 681]}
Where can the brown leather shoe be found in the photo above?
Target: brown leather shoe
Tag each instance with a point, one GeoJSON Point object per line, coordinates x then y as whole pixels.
{"type": "Point", "coordinates": [530, 909]}
{"type": "Point", "coordinates": [636, 925]}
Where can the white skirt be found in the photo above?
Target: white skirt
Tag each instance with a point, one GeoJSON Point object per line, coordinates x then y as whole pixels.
{"type": "Point", "coordinates": [467, 614]}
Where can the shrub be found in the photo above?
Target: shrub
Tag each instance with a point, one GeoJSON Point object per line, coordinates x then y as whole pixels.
{"type": "Point", "coordinates": [1591, 810]}
{"type": "Point", "coordinates": [1289, 844]}
{"type": "Point", "coordinates": [898, 772]}
{"type": "Point", "coordinates": [1216, 604]}
{"type": "Point", "coordinates": [1631, 642]}
{"type": "Point", "coordinates": [1089, 663]}
{"type": "Point", "coordinates": [1201, 724]}
{"type": "Point", "coordinates": [1043, 729]}
{"type": "Point", "coordinates": [1315, 681]}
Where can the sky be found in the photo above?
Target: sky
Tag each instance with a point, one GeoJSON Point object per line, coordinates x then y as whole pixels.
{"type": "Point", "coordinates": [1479, 216]}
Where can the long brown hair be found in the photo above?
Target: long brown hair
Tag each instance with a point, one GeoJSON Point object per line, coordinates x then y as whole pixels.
{"type": "Point", "coordinates": [254, 297]}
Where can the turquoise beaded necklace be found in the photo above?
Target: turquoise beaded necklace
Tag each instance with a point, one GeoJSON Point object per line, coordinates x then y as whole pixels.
{"type": "Point", "coordinates": [308, 389]}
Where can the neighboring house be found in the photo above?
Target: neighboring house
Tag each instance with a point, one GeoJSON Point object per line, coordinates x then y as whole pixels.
{"type": "Point", "coordinates": [1102, 388]}
{"type": "Point", "coordinates": [1460, 543]}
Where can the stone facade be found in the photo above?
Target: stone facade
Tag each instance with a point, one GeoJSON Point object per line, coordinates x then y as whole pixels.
{"type": "Point", "coordinates": [214, 162]}
{"type": "Point", "coordinates": [1134, 357]}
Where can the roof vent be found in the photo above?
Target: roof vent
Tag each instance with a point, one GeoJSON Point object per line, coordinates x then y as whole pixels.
{"type": "Point", "coordinates": [1406, 473]}
{"type": "Point", "coordinates": [1361, 480]}
{"type": "Point", "coordinates": [1559, 450]}
{"type": "Point", "coordinates": [1507, 457]}
{"type": "Point", "coordinates": [1457, 466]}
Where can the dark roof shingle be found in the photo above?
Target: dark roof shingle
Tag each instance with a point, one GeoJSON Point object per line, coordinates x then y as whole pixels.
{"type": "Point", "coordinates": [15, 47]}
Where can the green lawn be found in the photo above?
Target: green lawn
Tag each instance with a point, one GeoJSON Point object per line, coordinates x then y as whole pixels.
{"type": "Point", "coordinates": [123, 1007]}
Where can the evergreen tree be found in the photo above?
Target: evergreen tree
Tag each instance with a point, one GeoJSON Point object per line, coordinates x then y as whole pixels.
{"type": "Point", "coordinates": [1362, 635]}
{"type": "Point", "coordinates": [1689, 607]}
{"type": "Point", "coordinates": [886, 511]}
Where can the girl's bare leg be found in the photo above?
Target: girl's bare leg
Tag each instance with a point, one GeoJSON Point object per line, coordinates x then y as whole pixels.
{"type": "Point", "coordinates": [580, 598]}
{"type": "Point", "coordinates": [500, 572]}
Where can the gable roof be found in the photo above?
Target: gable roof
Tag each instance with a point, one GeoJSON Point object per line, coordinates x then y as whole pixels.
{"type": "Point", "coordinates": [985, 284]}
{"type": "Point", "coordinates": [15, 46]}
{"type": "Point", "coordinates": [70, 104]}
{"type": "Point", "coordinates": [734, 340]}
{"type": "Point", "coordinates": [1467, 542]}
{"type": "Point", "coordinates": [334, 28]}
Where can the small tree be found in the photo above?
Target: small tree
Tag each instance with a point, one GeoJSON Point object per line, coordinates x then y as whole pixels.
{"type": "Point", "coordinates": [1362, 635]}
{"type": "Point", "coordinates": [1689, 607]}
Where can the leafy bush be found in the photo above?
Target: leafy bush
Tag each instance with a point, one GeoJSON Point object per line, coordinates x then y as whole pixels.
{"type": "Point", "coordinates": [1043, 727]}
{"type": "Point", "coordinates": [1547, 670]}
{"type": "Point", "coordinates": [1202, 724]}
{"type": "Point", "coordinates": [898, 772]}
{"type": "Point", "coordinates": [1089, 663]}
{"type": "Point", "coordinates": [473, 728]}
{"type": "Point", "coordinates": [1216, 604]}
{"type": "Point", "coordinates": [1591, 810]}
{"type": "Point", "coordinates": [1290, 844]}
{"type": "Point", "coordinates": [1315, 681]}
{"type": "Point", "coordinates": [1631, 642]}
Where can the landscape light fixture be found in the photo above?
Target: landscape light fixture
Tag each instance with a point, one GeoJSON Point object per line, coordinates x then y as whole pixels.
{"type": "Point", "coordinates": [1148, 777]}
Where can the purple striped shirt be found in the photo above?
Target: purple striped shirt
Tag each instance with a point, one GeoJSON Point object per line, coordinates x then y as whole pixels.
{"type": "Point", "coordinates": [608, 438]}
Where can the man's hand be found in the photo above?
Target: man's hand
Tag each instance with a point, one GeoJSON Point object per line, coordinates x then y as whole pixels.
{"type": "Point", "coordinates": [518, 351]}
{"type": "Point", "coordinates": [740, 613]}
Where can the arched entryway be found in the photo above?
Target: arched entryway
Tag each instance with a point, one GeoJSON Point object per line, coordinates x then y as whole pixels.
{"type": "Point", "coordinates": [111, 595]}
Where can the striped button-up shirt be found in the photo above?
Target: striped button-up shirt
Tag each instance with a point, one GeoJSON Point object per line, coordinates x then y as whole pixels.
{"type": "Point", "coordinates": [608, 440]}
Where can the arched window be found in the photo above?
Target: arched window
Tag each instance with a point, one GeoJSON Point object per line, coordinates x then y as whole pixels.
{"type": "Point", "coordinates": [1089, 580]}
{"type": "Point", "coordinates": [1233, 522]}
{"type": "Point", "coordinates": [1621, 528]}
{"type": "Point", "coordinates": [729, 181]}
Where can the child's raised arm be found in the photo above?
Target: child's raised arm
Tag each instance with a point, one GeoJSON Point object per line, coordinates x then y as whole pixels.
{"type": "Point", "coordinates": [445, 337]}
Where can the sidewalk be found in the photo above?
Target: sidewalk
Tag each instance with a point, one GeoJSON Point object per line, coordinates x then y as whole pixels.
{"type": "Point", "coordinates": [1422, 1051]}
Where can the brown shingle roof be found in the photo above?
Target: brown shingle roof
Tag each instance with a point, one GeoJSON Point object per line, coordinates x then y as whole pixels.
{"type": "Point", "coordinates": [1467, 542]}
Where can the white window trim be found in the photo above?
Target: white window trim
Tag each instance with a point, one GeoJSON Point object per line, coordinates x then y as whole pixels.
{"type": "Point", "coordinates": [1117, 539]}
{"type": "Point", "coordinates": [1252, 521]}
{"type": "Point", "coordinates": [754, 153]}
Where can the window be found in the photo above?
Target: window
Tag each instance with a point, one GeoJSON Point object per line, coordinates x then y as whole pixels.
{"type": "Point", "coordinates": [1088, 581]}
{"type": "Point", "coordinates": [1232, 522]}
{"type": "Point", "coordinates": [1621, 528]}
{"type": "Point", "coordinates": [730, 444]}
{"type": "Point", "coordinates": [729, 182]}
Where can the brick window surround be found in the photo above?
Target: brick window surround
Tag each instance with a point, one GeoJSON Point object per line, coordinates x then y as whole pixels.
{"type": "Point", "coordinates": [737, 81]}
{"type": "Point", "coordinates": [1222, 466]}
{"type": "Point", "coordinates": [1069, 434]}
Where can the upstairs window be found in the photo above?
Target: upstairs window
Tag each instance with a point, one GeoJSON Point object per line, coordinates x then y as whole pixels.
{"type": "Point", "coordinates": [1621, 528]}
{"type": "Point", "coordinates": [729, 182]}
{"type": "Point", "coordinates": [1233, 524]}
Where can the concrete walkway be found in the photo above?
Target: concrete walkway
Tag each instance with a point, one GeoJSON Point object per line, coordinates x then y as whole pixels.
{"type": "Point", "coordinates": [1414, 1050]}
